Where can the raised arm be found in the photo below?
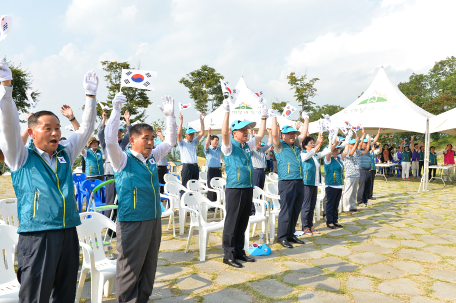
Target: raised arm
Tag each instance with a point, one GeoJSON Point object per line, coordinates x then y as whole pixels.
{"type": "Point", "coordinates": [11, 143]}
{"type": "Point", "coordinates": [332, 147]}
{"type": "Point", "coordinates": [208, 139]}
{"type": "Point", "coordinates": [275, 132]}
{"type": "Point", "coordinates": [378, 136]}
{"type": "Point", "coordinates": [362, 139]}
{"type": "Point", "coordinates": [202, 131]}
{"type": "Point", "coordinates": [402, 144]}
{"type": "Point", "coordinates": [304, 127]}
{"type": "Point", "coordinates": [366, 150]}
{"type": "Point", "coordinates": [114, 152]}
{"type": "Point", "coordinates": [101, 130]}
{"type": "Point", "coordinates": [355, 146]}
{"type": "Point", "coordinates": [226, 124]}
{"type": "Point", "coordinates": [127, 117]}
{"type": "Point", "coordinates": [179, 129]}
{"type": "Point", "coordinates": [68, 113]}
{"type": "Point", "coordinates": [412, 143]}
{"type": "Point", "coordinates": [319, 142]}
{"type": "Point", "coordinates": [170, 139]}
{"type": "Point", "coordinates": [262, 128]}
{"type": "Point", "coordinates": [24, 134]}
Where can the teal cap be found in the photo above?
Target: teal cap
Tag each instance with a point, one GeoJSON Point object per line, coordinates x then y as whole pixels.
{"type": "Point", "coordinates": [190, 130]}
{"type": "Point", "coordinates": [238, 124]}
{"type": "Point", "coordinates": [289, 129]}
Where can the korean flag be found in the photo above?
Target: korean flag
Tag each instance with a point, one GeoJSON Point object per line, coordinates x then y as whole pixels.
{"type": "Point", "coordinates": [141, 79]}
{"type": "Point", "coordinates": [5, 22]}
{"type": "Point", "coordinates": [288, 110]}
{"type": "Point", "coordinates": [231, 92]}
{"type": "Point", "coordinates": [184, 106]}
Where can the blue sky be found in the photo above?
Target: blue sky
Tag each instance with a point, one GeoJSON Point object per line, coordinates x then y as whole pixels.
{"type": "Point", "coordinates": [341, 42]}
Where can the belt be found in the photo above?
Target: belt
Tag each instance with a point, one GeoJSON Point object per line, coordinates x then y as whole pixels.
{"type": "Point", "coordinates": [365, 168]}
{"type": "Point", "coordinates": [219, 168]}
{"type": "Point", "coordinates": [194, 164]}
{"type": "Point", "coordinates": [260, 168]}
{"type": "Point", "coordinates": [162, 165]}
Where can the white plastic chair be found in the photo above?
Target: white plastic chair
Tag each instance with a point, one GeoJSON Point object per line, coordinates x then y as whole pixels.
{"type": "Point", "coordinates": [173, 189]}
{"type": "Point", "coordinates": [219, 184]}
{"type": "Point", "coordinates": [272, 177]}
{"type": "Point", "coordinates": [319, 204]}
{"type": "Point", "coordinates": [9, 286]}
{"type": "Point", "coordinates": [169, 212]}
{"type": "Point", "coordinates": [192, 202]}
{"type": "Point", "coordinates": [171, 178]}
{"type": "Point", "coordinates": [203, 177]}
{"type": "Point", "coordinates": [272, 192]}
{"type": "Point", "coordinates": [8, 212]}
{"type": "Point", "coordinates": [198, 186]}
{"type": "Point", "coordinates": [259, 216]}
{"type": "Point", "coordinates": [102, 270]}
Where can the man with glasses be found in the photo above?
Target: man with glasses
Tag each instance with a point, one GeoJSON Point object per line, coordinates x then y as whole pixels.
{"type": "Point", "coordinates": [291, 184]}
{"type": "Point", "coordinates": [239, 183]}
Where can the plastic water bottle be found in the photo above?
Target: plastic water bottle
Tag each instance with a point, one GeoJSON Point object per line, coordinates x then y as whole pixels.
{"type": "Point", "coordinates": [261, 238]}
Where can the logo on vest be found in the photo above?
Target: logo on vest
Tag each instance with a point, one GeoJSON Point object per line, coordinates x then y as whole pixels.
{"type": "Point", "coordinates": [152, 161]}
{"type": "Point", "coordinates": [247, 150]}
{"type": "Point", "coordinates": [61, 159]}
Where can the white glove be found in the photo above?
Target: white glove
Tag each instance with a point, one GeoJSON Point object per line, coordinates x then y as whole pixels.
{"type": "Point", "coordinates": [168, 106]}
{"type": "Point", "coordinates": [367, 137]}
{"type": "Point", "coordinates": [90, 83]}
{"type": "Point", "coordinates": [350, 134]}
{"type": "Point", "coordinates": [118, 101]}
{"type": "Point", "coordinates": [271, 113]}
{"type": "Point", "coordinates": [5, 72]}
{"type": "Point", "coordinates": [305, 115]}
{"type": "Point", "coordinates": [264, 110]}
{"type": "Point", "coordinates": [226, 106]}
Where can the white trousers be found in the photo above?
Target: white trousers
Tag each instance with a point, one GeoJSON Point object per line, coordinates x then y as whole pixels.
{"type": "Point", "coordinates": [415, 168]}
{"type": "Point", "coordinates": [405, 170]}
{"type": "Point", "coordinates": [449, 172]}
{"type": "Point", "coordinates": [349, 193]}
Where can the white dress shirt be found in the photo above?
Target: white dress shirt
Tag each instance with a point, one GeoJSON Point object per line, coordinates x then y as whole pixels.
{"type": "Point", "coordinates": [13, 148]}
{"type": "Point", "coordinates": [226, 150]}
{"type": "Point", "coordinates": [119, 159]}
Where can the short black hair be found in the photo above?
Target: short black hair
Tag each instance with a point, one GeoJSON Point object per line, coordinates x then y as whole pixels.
{"type": "Point", "coordinates": [63, 138]}
{"type": "Point", "coordinates": [415, 144]}
{"type": "Point", "coordinates": [306, 141]}
{"type": "Point", "coordinates": [432, 147]}
{"type": "Point", "coordinates": [137, 129]}
{"type": "Point", "coordinates": [212, 137]}
{"type": "Point", "coordinates": [33, 119]}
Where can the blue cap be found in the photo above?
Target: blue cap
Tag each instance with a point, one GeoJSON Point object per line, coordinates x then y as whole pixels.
{"type": "Point", "coordinates": [365, 140]}
{"type": "Point", "coordinates": [190, 130]}
{"type": "Point", "coordinates": [406, 145]}
{"type": "Point", "coordinates": [289, 129]}
{"type": "Point", "coordinates": [238, 124]}
{"type": "Point", "coordinates": [158, 141]}
{"type": "Point", "coordinates": [262, 144]}
{"type": "Point", "coordinates": [121, 128]}
{"type": "Point", "coordinates": [262, 250]}
{"type": "Point", "coordinates": [352, 141]}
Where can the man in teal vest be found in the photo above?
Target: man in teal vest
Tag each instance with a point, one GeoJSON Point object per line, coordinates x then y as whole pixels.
{"type": "Point", "coordinates": [48, 247]}
{"type": "Point", "coordinates": [94, 158]}
{"type": "Point", "coordinates": [239, 183]}
{"type": "Point", "coordinates": [291, 186]}
{"type": "Point", "coordinates": [138, 224]}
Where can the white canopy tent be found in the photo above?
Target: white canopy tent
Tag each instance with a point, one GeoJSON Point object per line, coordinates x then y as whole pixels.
{"type": "Point", "coordinates": [384, 105]}
{"type": "Point", "coordinates": [246, 107]}
{"type": "Point", "coordinates": [444, 123]}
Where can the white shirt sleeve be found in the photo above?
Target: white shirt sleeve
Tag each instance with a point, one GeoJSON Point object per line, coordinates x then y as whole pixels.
{"type": "Point", "coordinates": [308, 155]}
{"type": "Point", "coordinates": [170, 139]}
{"type": "Point", "coordinates": [226, 150]}
{"type": "Point", "coordinates": [252, 144]}
{"type": "Point", "coordinates": [327, 162]}
{"type": "Point", "coordinates": [79, 138]}
{"type": "Point", "coordinates": [116, 156]}
{"type": "Point", "coordinates": [84, 153]}
{"type": "Point", "coordinates": [10, 131]}
{"type": "Point", "coordinates": [324, 153]}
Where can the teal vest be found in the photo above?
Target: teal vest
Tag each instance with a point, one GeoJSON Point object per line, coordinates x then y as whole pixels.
{"type": "Point", "coordinates": [421, 153]}
{"type": "Point", "coordinates": [289, 162]}
{"type": "Point", "coordinates": [45, 198]}
{"type": "Point", "coordinates": [334, 172]}
{"type": "Point", "coordinates": [94, 163]}
{"type": "Point", "coordinates": [432, 158]}
{"type": "Point", "coordinates": [239, 168]}
{"type": "Point", "coordinates": [309, 169]}
{"type": "Point", "coordinates": [138, 191]}
{"type": "Point", "coordinates": [406, 156]}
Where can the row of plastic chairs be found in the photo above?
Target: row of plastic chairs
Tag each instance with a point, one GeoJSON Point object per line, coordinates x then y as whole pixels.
{"type": "Point", "coordinates": [84, 188]}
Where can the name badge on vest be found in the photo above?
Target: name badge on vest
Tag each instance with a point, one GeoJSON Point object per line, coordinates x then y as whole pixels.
{"type": "Point", "coordinates": [152, 161]}
{"type": "Point", "coordinates": [247, 150]}
{"type": "Point", "coordinates": [61, 159]}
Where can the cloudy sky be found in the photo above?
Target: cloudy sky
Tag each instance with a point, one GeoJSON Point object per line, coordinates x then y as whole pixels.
{"type": "Point", "coordinates": [341, 42]}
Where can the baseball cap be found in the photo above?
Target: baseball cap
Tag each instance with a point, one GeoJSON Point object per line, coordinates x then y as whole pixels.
{"type": "Point", "coordinates": [190, 130]}
{"type": "Point", "coordinates": [238, 124]}
{"type": "Point", "coordinates": [289, 129]}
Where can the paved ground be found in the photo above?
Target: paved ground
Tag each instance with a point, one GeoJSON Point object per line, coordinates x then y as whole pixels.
{"type": "Point", "coordinates": [402, 248]}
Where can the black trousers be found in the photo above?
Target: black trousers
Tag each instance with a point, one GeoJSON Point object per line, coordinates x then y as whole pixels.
{"type": "Point", "coordinates": [291, 196]}
{"type": "Point", "coordinates": [420, 167]}
{"type": "Point", "coordinates": [48, 263]}
{"type": "Point", "coordinates": [162, 171]}
{"type": "Point", "coordinates": [365, 180]}
{"type": "Point", "coordinates": [259, 176]}
{"type": "Point", "coordinates": [238, 205]}
{"type": "Point", "coordinates": [189, 172]}
{"type": "Point", "coordinates": [308, 206]}
{"type": "Point", "coordinates": [371, 192]}
{"type": "Point", "coordinates": [333, 196]}
{"type": "Point", "coordinates": [432, 172]}
{"type": "Point", "coordinates": [212, 172]}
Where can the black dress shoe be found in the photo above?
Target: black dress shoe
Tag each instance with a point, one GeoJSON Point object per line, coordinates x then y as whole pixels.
{"type": "Point", "coordinates": [286, 244]}
{"type": "Point", "coordinates": [338, 225]}
{"type": "Point", "coordinates": [246, 258]}
{"type": "Point", "coordinates": [233, 263]}
{"type": "Point", "coordinates": [332, 227]}
{"type": "Point", "coordinates": [296, 240]}
{"type": "Point", "coordinates": [372, 198]}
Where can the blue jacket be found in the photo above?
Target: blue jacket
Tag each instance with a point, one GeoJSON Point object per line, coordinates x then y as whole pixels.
{"type": "Point", "coordinates": [239, 168]}
{"type": "Point", "coordinates": [94, 163]}
{"type": "Point", "coordinates": [289, 162]}
{"type": "Point", "coordinates": [334, 172]}
{"type": "Point", "coordinates": [45, 198]}
{"type": "Point", "coordinates": [138, 191]}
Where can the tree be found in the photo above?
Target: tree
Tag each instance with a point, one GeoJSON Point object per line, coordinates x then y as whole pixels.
{"type": "Point", "coordinates": [304, 91]}
{"type": "Point", "coordinates": [137, 99]}
{"type": "Point", "coordinates": [204, 87]}
{"type": "Point", "coordinates": [328, 109]}
{"type": "Point", "coordinates": [22, 81]}
{"type": "Point", "coordinates": [279, 105]}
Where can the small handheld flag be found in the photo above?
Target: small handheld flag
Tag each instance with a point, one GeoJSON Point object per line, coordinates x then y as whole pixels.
{"type": "Point", "coordinates": [123, 123]}
{"type": "Point", "coordinates": [5, 26]}
{"type": "Point", "coordinates": [70, 128]}
{"type": "Point", "coordinates": [199, 114]}
{"type": "Point", "coordinates": [106, 108]}
{"type": "Point", "coordinates": [32, 103]}
{"type": "Point", "coordinates": [184, 106]}
{"type": "Point", "coordinates": [288, 110]}
{"type": "Point", "coordinates": [141, 79]}
{"type": "Point", "coordinates": [231, 92]}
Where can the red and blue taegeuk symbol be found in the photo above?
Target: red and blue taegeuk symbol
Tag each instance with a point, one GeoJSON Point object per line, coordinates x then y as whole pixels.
{"type": "Point", "coordinates": [184, 106]}
{"type": "Point", "coordinates": [288, 112]}
{"type": "Point", "coordinates": [138, 78]}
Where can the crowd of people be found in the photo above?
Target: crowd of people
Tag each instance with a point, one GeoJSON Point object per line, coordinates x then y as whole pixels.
{"type": "Point", "coordinates": [48, 249]}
